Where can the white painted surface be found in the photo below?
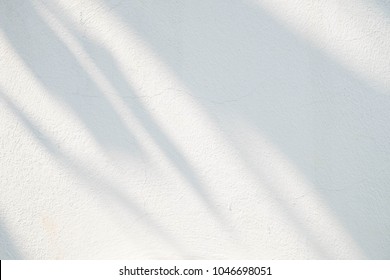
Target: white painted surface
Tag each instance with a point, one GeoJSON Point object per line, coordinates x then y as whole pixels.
{"type": "Point", "coordinates": [195, 129]}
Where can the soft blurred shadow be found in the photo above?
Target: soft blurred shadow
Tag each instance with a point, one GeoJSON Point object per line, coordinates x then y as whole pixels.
{"type": "Point", "coordinates": [108, 66]}
{"type": "Point", "coordinates": [49, 64]}
{"type": "Point", "coordinates": [8, 250]}
{"type": "Point", "coordinates": [383, 4]}
{"type": "Point", "coordinates": [110, 190]}
{"type": "Point", "coordinates": [242, 65]}
{"type": "Point", "coordinates": [60, 72]}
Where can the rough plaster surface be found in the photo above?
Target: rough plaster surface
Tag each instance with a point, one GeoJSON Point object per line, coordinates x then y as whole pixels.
{"type": "Point", "coordinates": [194, 129]}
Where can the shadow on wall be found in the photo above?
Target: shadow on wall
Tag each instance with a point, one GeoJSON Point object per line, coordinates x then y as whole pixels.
{"type": "Point", "coordinates": [111, 190]}
{"type": "Point", "coordinates": [50, 64]}
{"type": "Point", "coordinates": [383, 5]}
{"type": "Point", "coordinates": [59, 71]}
{"type": "Point", "coordinates": [242, 66]}
{"type": "Point", "coordinates": [8, 251]}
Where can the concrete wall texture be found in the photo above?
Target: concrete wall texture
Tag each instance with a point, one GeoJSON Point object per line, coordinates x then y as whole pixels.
{"type": "Point", "coordinates": [195, 129]}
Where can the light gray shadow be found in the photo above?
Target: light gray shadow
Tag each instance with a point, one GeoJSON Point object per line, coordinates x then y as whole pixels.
{"type": "Point", "coordinates": [242, 65]}
{"type": "Point", "coordinates": [48, 65]}
{"type": "Point", "coordinates": [110, 190]}
{"type": "Point", "coordinates": [8, 250]}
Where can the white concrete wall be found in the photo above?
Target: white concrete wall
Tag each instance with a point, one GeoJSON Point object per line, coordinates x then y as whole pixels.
{"type": "Point", "coordinates": [194, 129]}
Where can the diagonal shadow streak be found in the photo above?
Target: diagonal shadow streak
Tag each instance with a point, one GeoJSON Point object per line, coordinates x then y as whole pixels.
{"type": "Point", "coordinates": [50, 64]}
{"type": "Point", "coordinates": [317, 112]}
{"type": "Point", "coordinates": [8, 250]}
{"type": "Point", "coordinates": [107, 64]}
{"type": "Point", "coordinates": [101, 184]}
{"type": "Point", "coordinates": [124, 89]}
{"type": "Point", "coordinates": [264, 115]}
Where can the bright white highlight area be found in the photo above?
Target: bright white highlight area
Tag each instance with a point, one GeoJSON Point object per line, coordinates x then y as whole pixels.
{"type": "Point", "coordinates": [194, 129]}
{"type": "Point", "coordinates": [355, 33]}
